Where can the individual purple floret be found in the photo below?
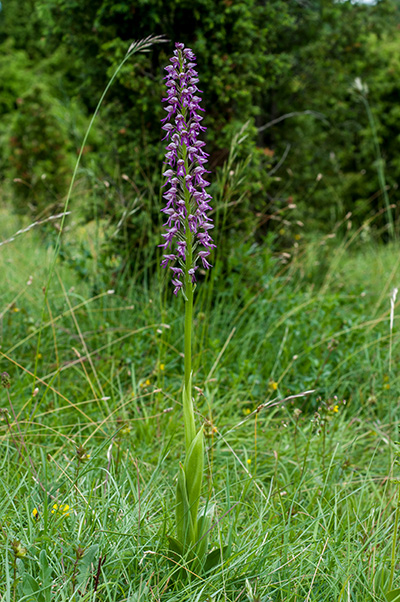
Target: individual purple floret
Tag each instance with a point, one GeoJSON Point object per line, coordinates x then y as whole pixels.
{"type": "Point", "coordinates": [187, 240]}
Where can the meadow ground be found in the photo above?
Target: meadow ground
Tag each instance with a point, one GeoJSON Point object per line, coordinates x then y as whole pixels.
{"type": "Point", "coordinates": [304, 490]}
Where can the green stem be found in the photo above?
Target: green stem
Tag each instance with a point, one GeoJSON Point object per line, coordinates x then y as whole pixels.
{"type": "Point", "coordinates": [15, 579]}
{"type": "Point", "coordinates": [393, 558]}
{"type": "Point", "coordinates": [188, 413]}
{"type": "Point", "coordinates": [188, 334]}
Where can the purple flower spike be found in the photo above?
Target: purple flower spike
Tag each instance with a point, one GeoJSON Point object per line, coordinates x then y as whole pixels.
{"type": "Point", "coordinates": [187, 239]}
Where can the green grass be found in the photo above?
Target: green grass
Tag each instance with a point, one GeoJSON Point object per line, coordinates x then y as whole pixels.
{"type": "Point", "coordinates": [304, 501]}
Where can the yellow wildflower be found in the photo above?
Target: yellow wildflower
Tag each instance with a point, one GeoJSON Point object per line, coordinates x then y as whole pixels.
{"type": "Point", "coordinates": [162, 366]}
{"type": "Point", "coordinates": [35, 513]}
{"type": "Point", "coordinates": [272, 386]}
{"type": "Point", "coordinates": [247, 411]}
{"type": "Point", "coordinates": [62, 509]}
{"type": "Point", "coordinates": [249, 461]}
{"type": "Point", "coordinates": [336, 408]}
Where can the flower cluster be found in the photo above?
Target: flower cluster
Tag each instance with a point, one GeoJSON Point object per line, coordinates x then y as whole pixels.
{"type": "Point", "coordinates": [187, 200]}
{"type": "Point", "coordinates": [62, 509]}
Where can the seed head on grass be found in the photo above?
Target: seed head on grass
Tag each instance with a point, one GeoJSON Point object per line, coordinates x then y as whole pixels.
{"type": "Point", "coordinates": [187, 240]}
{"type": "Point", "coordinates": [82, 455]}
{"type": "Point", "coordinates": [18, 549]}
{"type": "Point", "coordinates": [5, 380]}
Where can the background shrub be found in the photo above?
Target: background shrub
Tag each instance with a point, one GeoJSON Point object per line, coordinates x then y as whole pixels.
{"type": "Point", "coordinates": [286, 68]}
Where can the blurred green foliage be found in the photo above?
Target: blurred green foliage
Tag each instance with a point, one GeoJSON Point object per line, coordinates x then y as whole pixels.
{"type": "Point", "coordinates": [38, 163]}
{"type": "Point", "coordinates": [287, 68]}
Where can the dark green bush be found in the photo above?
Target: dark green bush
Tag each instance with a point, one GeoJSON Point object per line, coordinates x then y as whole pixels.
{"type": "Point", "coordinates": [38, 162]}
{"type": "Point", "coordinates": [286, 67]}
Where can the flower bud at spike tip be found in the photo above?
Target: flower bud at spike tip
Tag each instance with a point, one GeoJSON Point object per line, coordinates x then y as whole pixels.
{"type": "Point", "coordinates": [187, 241]}
{"type": "Point", "coordinates": [5, 380]}
{"type": "Point", "coordinates": [19, 550]}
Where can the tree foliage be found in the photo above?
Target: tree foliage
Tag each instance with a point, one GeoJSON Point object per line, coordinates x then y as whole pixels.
{"type": "Point", "coordinates": [286, 67]}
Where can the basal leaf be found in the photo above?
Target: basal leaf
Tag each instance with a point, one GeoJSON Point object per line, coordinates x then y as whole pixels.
{"type": "Point", "coordinates": [188, 415]}
{"type": "Point", "coordinates": [194, 467]}
{"type": "Point", "coordinates": [175, 545]}
{"type": "Point", "coordinates": [203, 526]}
{"type": "Point", "coordinates": [86, 564]}
{"type": "Point", "coordinates": [184, 522]}
{"type": "Point", "coordinates": [214, 558]}
{"type": "Point", "coordinates": [381, 580]}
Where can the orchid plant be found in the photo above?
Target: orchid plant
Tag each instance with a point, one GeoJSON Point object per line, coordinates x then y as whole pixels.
{"type": "Point", "coordinates": [187, 245]}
